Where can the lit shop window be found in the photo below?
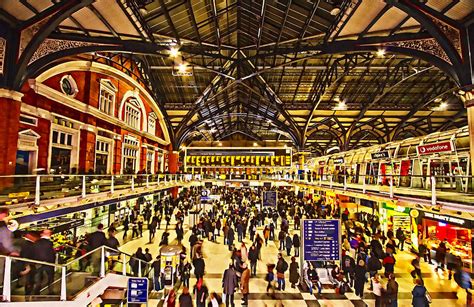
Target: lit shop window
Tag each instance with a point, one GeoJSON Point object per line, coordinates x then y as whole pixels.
{"type": "Point", "coordinates": [152, 123]}
{"type": "Point", "coordinates": [107, 97]}
{"type": "Point", "coordinates": [131, 151]}
{"type": "Point", "coordinates": [132, 114]}
{"type": "Point", "coordinates": [102, 153]}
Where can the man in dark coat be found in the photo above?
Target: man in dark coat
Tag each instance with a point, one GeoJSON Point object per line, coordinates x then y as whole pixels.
{"type": "Point", "coordinates": [296, 244]}
{"type": "Point", "coordinates": [229, 284]}
{"type": "Point", "coordinates": [44, 251]}
{"type": "Point", "coordinates": [28, 251]}
{"type": "Point", "coordinates": [199, 267]}
{"type": "Point", "coordinates": [281, 268]}
{"type": "Point", "coordinates": [253, 258]}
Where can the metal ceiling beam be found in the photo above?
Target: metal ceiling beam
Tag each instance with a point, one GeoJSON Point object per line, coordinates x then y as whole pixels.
{"type": "Point", "coordinates": [374, 20]}
{"type": "Point", "coordinates": [169, 20]}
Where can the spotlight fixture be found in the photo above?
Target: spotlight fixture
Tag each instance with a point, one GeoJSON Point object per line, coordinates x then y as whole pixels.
{"type": "Point", "coordinates": [461, 92]}
{"type": "Point", "coordinates": [182, 68]}
{"type": "Point", "coordinates": [381, 53]}
{"type": "Point", "coordinates": [341, 105]}
{"type": "Point", "coordinates": [219, 144]}
{"type": "Point", "coordinates": [438, 99]}
{"type": "Point", "coordinates": [443, 106]}
{"type": "Point", "coordinates": [255, 144]}
{"type": "Point", "coordinates": [174, 52]}
{"type": "Point", "coordinates": [335, 11]}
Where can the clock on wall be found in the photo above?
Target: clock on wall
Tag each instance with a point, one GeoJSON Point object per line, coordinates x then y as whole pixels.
{"type": "Point", "coordinates": [69, 86]}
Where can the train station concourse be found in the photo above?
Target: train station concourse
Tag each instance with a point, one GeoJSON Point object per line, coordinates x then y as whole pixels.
{"type": "Point", "coordinates": [207, 153]}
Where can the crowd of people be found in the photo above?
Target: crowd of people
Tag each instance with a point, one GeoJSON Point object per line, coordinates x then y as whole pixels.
{"type": "Point", "coordinates": [238, 220]}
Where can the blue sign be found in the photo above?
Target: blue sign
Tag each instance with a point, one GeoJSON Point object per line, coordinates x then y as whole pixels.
{"type": "Point", "coordinates": [269, 198]}
{"type": "Point", "coordinates": [321, 240]}
{"type": "Point", "coordinates": [137, 290]}
{"type": "Point", "coordinates": [205, 195]}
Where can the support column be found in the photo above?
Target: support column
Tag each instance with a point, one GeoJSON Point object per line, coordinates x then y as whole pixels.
{"type": "Point", "coordinates": [468, 99]}
{"type": "Point", "coordinates": [10, 103]}
{"type": "Point", "coordinates": [87, 151]}
{"type": "Point", "coordinates": [173, 158]}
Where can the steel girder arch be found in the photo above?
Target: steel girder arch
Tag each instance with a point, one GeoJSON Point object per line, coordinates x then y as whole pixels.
{"type": "Point", "coordinates": [361, 134]}
{"type": "Point", "coordinates": [419, 12]}
{"type": "Point", "coordinates": [51, 21]}
{"type": "Point", "coordinates": [371, 44]}
{"type": "Point", "coordinates": [333, 77]}
{"type": "Point", "coordinates": [406, 132]}
{"type": "Point", "coordinates": [325, 128]}
{"type": "Point", "coordinates": [255, 112]}
{"type": "Point", "coordinates": [428, 98]}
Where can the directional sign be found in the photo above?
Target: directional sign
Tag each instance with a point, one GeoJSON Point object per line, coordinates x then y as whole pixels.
{"type": "Point", "coordinates": [269, 199]}
{"type": "Point", "coordinates": [137, 290]}
{"type": "Point", "coordinates": [321, 240]}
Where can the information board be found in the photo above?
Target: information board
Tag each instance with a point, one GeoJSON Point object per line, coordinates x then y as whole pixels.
{"type": "Point", "coordinates": [269, 199]}
{"type": "Point", "coordinates": [137, 290]}
{"type": "Point", "coordinates": [321, 240]}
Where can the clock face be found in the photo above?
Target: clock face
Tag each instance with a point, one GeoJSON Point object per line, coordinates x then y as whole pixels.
{"type": "Point", "coordinates": [68, 85]}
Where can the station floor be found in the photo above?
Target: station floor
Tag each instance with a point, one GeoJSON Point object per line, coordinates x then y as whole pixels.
{"type": "Point", "coordinates": [444, 292]}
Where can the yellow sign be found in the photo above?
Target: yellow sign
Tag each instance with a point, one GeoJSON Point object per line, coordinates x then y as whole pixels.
{"type": "Point", "coordinates": [19, 195]}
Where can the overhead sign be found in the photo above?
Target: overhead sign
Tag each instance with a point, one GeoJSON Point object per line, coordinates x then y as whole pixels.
{"type": "Point", "coordinates": [380, 155]}
{"type": "Point", "coordinates": [435, 148]}
{"type": "Point", "coordinates": [321, 240]}
{"type": "Point", "coordinates": [448, 219]}
{"type": "Point", "coordinates": [269, 198]}
{"type": "Point", "coordinates": [205, 195]}
{"type": "Point", "coordinates": [338, 161]}
{"type": "Point", "coordinates": [137, 290]}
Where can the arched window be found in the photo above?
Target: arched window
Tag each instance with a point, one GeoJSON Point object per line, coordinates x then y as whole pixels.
{"type": "Point", "coordinates": [107, 96]}
{"type": "Point", "coordinates": [133, 113]}
{"type": "Point", "coordinates": [152, 118]}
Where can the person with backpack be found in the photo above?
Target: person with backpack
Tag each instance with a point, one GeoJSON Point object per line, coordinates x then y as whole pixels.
{"type": "Point", "coordinates": [419, 298]}
{"type": "Point", "coordinates": [373, 265]}
{"type": "Point", "coordinates": [388, 264]}
{"type": "Point", "coordinates": [281, 268]}
{"type": "Point", "coordinates": [348, 266]}
{"type": "Point", "coordinates": [270, 278]}
{"type": "Point", "coordinates": [392, 291]}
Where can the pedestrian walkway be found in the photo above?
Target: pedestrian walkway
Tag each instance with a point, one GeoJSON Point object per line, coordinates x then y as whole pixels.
{"type": "Point", "coordinates": [444, 292]}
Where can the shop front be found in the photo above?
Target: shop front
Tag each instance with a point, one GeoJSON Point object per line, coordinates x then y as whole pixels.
{"type": "Point", "coordinates": [393, 217]}
{"type": "Point", "coordinates": [456, 231]}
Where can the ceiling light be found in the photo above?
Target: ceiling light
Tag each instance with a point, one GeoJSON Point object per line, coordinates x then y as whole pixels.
{"type": "Point", "coordinates": [174, 52]}
{"type": "Point", "coordinates": [461, 92]}
{"type": "Point", "coordinates": [340, 106]}
{"type": "Point", "coordinates": [443, 106]}
{"type": "Point", "coordinates": [219, 144]}
{"type": "Point", "coordinates": [182, 68]}
{"type": "Point", "coordinates": [335, 11]}
{"type": "Point", "coordinates": [255, 144]}
{"type": "Point", "coordinates": [212, 130]}
{"type": "Point", "coordinates": [437, 99]}
{"type": "Point", "coordinates": [381, 53]}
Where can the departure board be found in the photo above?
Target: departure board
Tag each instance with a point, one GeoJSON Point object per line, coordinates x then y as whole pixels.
{"type": "Point", "coordinates": [230, 157]}
{"type": "Point", "coordinates": [321, 240]}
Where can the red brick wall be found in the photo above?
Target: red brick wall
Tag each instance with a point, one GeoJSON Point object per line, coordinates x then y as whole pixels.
{"type": "Point", "coordinates": [86, 151]}
{"type": "Point", "coordinates": [9, 127]}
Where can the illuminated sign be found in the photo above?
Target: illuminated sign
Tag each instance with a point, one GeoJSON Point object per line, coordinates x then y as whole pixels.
{"type": "Point", "coordinates": [380, 155]}
{"type": "Point", "coordinates": [435, 148]}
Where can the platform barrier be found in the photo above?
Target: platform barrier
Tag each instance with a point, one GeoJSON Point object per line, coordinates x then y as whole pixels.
{"type": "Point", "coordinates": [26, 280]}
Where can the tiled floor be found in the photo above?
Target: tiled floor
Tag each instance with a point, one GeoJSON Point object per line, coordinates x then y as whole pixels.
{"type": "Point", "coordinates": [444, 292]}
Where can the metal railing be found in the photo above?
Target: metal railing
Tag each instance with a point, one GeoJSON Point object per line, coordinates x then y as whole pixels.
{"type": "Point", "coordinates": [40, 280]}
{"type": "Point", "coordinates": [455, 188]}
{"type": "Point", "coordinates": [32, 189]}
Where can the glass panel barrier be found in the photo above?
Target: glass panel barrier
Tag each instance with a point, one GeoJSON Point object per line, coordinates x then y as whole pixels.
{"type": "Point", "coordinates": [17, 189]}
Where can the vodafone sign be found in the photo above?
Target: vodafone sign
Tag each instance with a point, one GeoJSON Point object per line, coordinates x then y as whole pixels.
{"type": "Point", "coordinates": [435, 148]}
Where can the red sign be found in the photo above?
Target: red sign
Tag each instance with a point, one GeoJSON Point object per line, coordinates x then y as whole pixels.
{"type": "Point", "coordinates": [435, 148]}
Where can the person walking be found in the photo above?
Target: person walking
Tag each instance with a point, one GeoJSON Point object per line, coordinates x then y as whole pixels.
{"type": "Point", "coordinates": [360, 278]}
{"type": "Point", "coordinates": [44, 251]}
{"type": "Point", "coordinates": [281, 268]}
{"type": "Point", "coordinates": [185, 299]}
{"type": "Point", "coordinates": [296, 244]}
{"type": "Point", "coordinates": [294, 272]}
{"type": "Point", "coordinates": [200, 293]}
{"type": "Point", "coordinates": [229, 284]}
{"type": "Point", "coordinates": [440, 256]}
{"type": "Point", "coordinates": [416, 268]}
{"type": "Point", "coordinates": [400, 234]}
{"type": "Point", "coordinates": [199, 266]}
{"type": "Point", "coordinates": [378, 290]}
{"type": "Point", "coordinates": [392, 291]}
{"type": "Point", "coordinates": [152, 228]}
{"type": "Point", "coordinates": [253, 258]}
{"type": "Point", "coordinates": [288, 244]}
{"type": "Point", "coordinates": [419, 295]}
{"type": "Point", "coordinates": [244, 284]}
